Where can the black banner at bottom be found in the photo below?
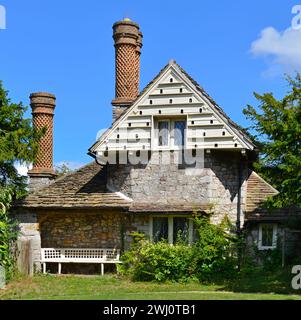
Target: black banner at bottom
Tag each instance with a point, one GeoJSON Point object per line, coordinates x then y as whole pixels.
{"type": "Point", "coordinates": [150, 309]}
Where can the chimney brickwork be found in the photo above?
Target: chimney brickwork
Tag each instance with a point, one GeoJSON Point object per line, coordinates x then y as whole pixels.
{"type": "Point", "coordinates": [128, 44]}
{"type": "Point", "coordinates": [42, 173]}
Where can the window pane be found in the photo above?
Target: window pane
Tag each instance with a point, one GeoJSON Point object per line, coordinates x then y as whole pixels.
{"type": "Point", "coordinates": [160, 229]}
{"type": "Point", "coordinates": [163, 133]}
{"type": "Point", "coordinates": [267, 235]}
{"type": "Point", "coordinates": [180, 229]}
{"type": "Point", "coordinates": [179, 131]}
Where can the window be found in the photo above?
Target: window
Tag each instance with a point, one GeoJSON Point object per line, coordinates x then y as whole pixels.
{"type": "Point", "coordinates": [171, 133]}
{"type": "Point", "coordinates": [179, 132]}
{"type": "Point", "coordinates": [163, 131]}
{"type": "Point", "coordinates": [180, 229]}
{"type": "Point", "coordinates": [160, 229]}
{"type": "Point", "coordinates": [267, 236]}
{"type": "Point", "coordinates": [171, 229]}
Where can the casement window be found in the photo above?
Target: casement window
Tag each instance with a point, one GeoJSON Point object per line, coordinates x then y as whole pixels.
{"type": "Point", "coordinates": [170, 133]}
{"type": "Point", "coordinates": [267, 236]}
{"type": "Point", "coordinates": [171, 229]}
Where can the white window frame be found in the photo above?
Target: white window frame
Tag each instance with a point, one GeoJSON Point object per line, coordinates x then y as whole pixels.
{"type": "Point", "coordinates": [170, 227]}
{"type": "Point", "coordinates": [274, 244]}
{"type": "Point", "coordinates": [171, 126]}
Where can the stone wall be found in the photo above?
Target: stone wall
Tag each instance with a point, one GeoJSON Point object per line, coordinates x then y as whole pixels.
{"type": "Point", "coordinates": [164, 182]}
{"type": "Point", "coordinates": [82, 229]}
{"type": "Point", "coordinates": [78, 229]}
{"type": "Point", "coordinates": [29, 230]}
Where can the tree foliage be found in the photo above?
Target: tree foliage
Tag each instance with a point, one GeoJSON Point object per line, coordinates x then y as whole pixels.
{"type": "Point", "coordinates": [62, 169]}
{"type": "Point", "coordinates": [278, 131]}
{"type": "Point", "coordinates": [18, 143]}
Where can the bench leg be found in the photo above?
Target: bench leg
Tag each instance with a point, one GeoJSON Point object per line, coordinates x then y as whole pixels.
{"type": "Point", "coordinates": [44, 267]}
{"type": "Point", "coordinates": [102, 269]}
{"type": "Point", "coordinates": [60, 268]}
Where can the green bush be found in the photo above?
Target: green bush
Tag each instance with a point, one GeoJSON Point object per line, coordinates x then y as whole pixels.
{"type": "Point", "coordinates": [7, 234]}
{"type": "Point", "coordinates": [212, 254]}
{"type": "Point", "coordinates": [215, 252]}
{"type": "Point", "coordinates": [159, 261]}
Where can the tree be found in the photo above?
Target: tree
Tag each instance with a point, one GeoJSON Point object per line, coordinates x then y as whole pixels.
{"type": "Point", "coordinates": [18, 142]}
{"type": "Point", "coordinates": [278, 131]}
{"type": "Point", "coordinates": [62, 169]}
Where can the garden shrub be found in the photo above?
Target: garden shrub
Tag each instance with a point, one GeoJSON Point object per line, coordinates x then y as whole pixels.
{"type": "Point", "coordinates": [8, 234]}
{"type": "Point", "coordinates": [147, 261]}
{"type": "Point", "coordinates": [213, 253]}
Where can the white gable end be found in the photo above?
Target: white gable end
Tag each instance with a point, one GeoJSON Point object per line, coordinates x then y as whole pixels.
{"type": "Point", "coordinates": [172, 97]}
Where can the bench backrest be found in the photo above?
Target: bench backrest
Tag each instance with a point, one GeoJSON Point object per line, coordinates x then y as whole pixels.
{"type": "Point", "coordinates": [71, 254]}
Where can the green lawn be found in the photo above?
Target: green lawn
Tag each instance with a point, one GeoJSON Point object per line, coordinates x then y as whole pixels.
{"type": "Point", "coordinates": [70, 287]}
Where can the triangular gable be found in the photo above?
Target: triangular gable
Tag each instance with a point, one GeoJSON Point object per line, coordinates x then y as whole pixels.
{"type": "Point", "coordinates": [173, 93]}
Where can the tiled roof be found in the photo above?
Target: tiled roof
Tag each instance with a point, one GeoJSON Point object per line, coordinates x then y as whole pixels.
{"type": "Point", "coordinates": [258, 190]}
{"type": "Point", "coordinates": [166, 208]}
{"type": "Point", "coordinates": [84, 188]}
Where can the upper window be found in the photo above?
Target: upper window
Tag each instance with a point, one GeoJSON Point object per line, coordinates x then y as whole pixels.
{"type": "Point", "coordinates": [163, 132]}
{"type": "Point", "coordinates": [171, 133]}
{"type": "Point", "coordinates": [267, 236]}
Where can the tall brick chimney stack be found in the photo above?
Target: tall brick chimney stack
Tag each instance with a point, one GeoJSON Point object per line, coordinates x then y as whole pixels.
{"type": "Point", "coordinates": [128, 44]}
{"type": "Point", "coordinates": [42, 173]}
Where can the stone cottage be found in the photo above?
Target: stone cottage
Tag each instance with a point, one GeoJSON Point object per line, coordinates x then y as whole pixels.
{"type": "Point", "coordinates": [170, 152]}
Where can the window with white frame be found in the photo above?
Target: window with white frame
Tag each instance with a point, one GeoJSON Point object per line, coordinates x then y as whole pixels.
{"type": "Point", "coordinates": [171, 229]}
{"type": "Point", "coordinates": [267, 236]}
{"type": "Point", "coordinates": [170, 133]}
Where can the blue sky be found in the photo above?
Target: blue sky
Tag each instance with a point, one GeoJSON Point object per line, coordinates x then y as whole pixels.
{"type": "Point", "coordinates": [231, 48]}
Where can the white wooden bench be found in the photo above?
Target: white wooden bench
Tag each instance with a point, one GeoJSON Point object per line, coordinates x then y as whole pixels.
{"type": "Point", "coordinates": [71, 255]}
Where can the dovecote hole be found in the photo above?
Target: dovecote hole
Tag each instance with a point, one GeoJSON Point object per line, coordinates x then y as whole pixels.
{"type": "Point", "coordinates": [170, 100]}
